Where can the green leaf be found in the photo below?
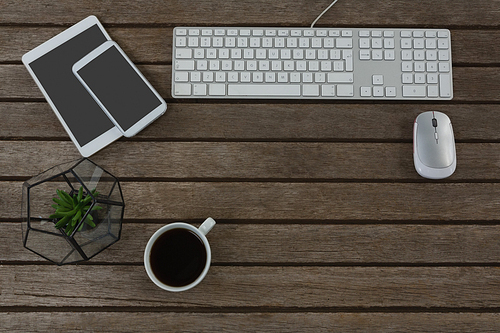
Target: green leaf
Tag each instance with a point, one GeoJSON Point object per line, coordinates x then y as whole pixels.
{"type": "Point", "coordinates": [69, 229]}
{"type": "Point", "coordinates": [77, 216]}
{"type": "Point", "coordinates": [96, 207]}
{"type": "Point", "coordinates": [63, 210]}
{"type": "Point", "coordinates": [61, 203]}
{"type": "Point", "coordinates": [80, 194]}
{"type": "Point", "coordinates": [66, 197]}
{"type": "Point", "coordinates": [57, 215]}
{"type": "Point", "coordinates": [91, 223]}
{"type": "Point", "coordinates": [62, 222]}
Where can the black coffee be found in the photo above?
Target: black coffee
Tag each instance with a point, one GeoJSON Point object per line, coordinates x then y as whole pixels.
{"type": "Point", "coordinates": [178, 257]}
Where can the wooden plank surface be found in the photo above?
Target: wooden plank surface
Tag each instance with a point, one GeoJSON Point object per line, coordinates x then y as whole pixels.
{"type": "Point", "coordinates": [294, 161]}
{"type": "Point", "coordinates": [255, 287]}
{"type": "Point", "coordinates": [297, 201]}
{"type": "Point", "coordinates": [305, 244]}
{"type": "Point", "coordinates": [251, 322]}
{"type": "Point", "coordinates": [398, 13]}
{"type": "Point", "coordinates": [270, 122]}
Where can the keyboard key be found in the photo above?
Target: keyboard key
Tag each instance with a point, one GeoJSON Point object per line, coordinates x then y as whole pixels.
{"type": "Point", "coordinates": [443, 55]}
{"type": "Point", "coordinates": [443, 34]}
{"type": "Point", "coordinates": [406, 43]}
{"type": "Point", "coordinates": [366, 91]}
{"type": "Point", "coordinates": [364, 43]}
{"type": "Point", "coordinates": [407, 78]}
{"type": "Point", "coordinates": [182, 89]}
{"type": "Point", "coordinates": [377, 79]}
{"type": "Point", "coordinates": [444, 67]}
{"type": "Point", "coordinates": [184, 65]}
{"type": "Point", "coordinates": [263, 90]}
{"type": "Point", "coordinates": [340, 77]}
{"type": "Point", "coordinates": [430, 44]}
{"type": "Point", "coordinates": [432, 91]}
{"type": "Point", "coordinates": [199, 89]}
{"type": "Point", "coordinates": [347, 56]}
{"type": "Point", "coordinates": [376, 43]}
{"type": "Point", "coordinates": [181, 77]}
{"type": "Point", "coordinates": [378, 91]}
{"type": "Point", "coordinates": [444, 85]}
{"type": "Point", "coordinates": [443, 44]}
{"type": "Point", "coordinates": [377, 55]}
{"type": "Point", "coordinates": [344, 43]}
{"type": "Point", "coordinates": [217, 89]}
{"type": "Point", "coordinates": [388, 43]}
{"type": "Point", "coordinates": [364, 55]}
{"type": "Point", "coordinates": [183, 53]}
{"type": "Point", "coordinates": [310, 90]}
{"type": "Point", "coordinates": [180, 32]}
{"type": "Point", "coordinates": [390, 91]}
{"type": "Point", "coordinates": [389, 55]}
{"type": "Point", "coordinates": [406, 55]}
{"type": "Point", "coordinates": [414, 91]}
{"type": "Point", "coordinates": [344, 90]}
{"type": "Point", "coordinates": [180, 41]}
{"type": "Point", "coordinates": [328, 90]}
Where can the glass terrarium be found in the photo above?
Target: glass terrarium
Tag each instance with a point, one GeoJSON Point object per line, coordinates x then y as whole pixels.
{"type": "Point", "coordinates": [72, 212]}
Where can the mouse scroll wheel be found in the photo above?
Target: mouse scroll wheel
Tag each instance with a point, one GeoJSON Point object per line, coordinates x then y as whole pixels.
{"type": "Point", "coordinates": [434, 122]}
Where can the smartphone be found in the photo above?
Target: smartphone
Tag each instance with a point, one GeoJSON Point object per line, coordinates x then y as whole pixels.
{"type": "Point", "coordinates": [121, 90]}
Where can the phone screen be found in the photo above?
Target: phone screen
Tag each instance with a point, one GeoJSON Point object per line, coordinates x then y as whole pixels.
{"type": "Point", "coordinates": [80, 112]}
{"type": "Point", "coordinates": [119, 88]}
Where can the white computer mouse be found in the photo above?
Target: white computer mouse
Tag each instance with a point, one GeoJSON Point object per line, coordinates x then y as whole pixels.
{"type": "Point", "coordinates": [434, 151]}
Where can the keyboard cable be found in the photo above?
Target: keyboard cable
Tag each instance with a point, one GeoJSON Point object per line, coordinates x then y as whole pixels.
{"type": "Point", "coordinates": [327, 8]}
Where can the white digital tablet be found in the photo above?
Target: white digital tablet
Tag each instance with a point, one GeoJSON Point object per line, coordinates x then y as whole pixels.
{"type": "Point", "coordinates": [50, 65]}
{"type": "Point", "coordinates": [119, 87]}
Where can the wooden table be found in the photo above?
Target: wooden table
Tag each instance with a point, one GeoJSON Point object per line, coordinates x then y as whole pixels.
{"type": "Point", "coordinates": [323, 223]}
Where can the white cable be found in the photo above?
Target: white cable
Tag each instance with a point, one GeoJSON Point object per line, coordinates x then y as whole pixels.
{"type": "Point", "coordinates": [327, 8]}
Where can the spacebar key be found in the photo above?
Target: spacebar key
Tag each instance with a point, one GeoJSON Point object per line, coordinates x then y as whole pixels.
{"type": "Point", "coordinates": [263, 90]}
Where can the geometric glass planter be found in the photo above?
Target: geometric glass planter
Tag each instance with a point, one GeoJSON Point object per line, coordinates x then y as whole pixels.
{"type": "Point", "coordinates": [97, 227]}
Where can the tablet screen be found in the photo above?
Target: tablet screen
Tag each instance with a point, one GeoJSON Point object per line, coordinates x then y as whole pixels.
{"type": "Point", "coordinates": [119, 88]}
{"type": "Point", "coordinates": [76, 106]}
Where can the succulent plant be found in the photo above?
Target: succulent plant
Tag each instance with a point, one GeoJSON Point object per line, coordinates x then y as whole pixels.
{"type": "Point", "coordinates": [70, 209]}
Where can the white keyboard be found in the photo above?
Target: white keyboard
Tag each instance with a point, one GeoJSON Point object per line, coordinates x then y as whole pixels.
{"type": "Point", "coordinates": [319, 63]}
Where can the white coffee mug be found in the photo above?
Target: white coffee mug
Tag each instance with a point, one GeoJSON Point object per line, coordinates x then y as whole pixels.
{"type": "Point", "coordinates": [201, 232]}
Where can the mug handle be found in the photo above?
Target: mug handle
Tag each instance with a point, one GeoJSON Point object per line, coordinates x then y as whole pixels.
{"type": "Point", "coordinates": [206, 226]}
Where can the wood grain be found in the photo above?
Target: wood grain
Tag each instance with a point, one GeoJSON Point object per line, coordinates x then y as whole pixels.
{"type": "Point", "coordinates": [268, 122]}
{"type": "Point", "coordinates": [320, 244]}
{"type": "Point", "coordinates": [446, 13]}
{"type": "Point", "coordinates": [249, 160]}
{"type": "Point", "coordinates": [250, 322]}
{"type": "Point", "coordinates": [478, 84]}
{"type": "Point", "coordinates": [154, 45]}
{"type": "Point", "coordinates": [254, 287]}
{"type": "Point", "coordinates": [296, 201]}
